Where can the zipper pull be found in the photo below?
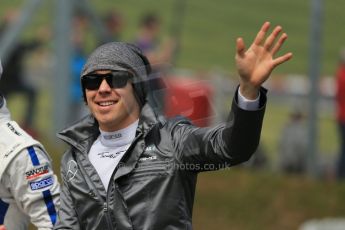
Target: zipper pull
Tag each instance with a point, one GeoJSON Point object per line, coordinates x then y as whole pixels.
{"type": "Point", "coordinates": [105, 207]}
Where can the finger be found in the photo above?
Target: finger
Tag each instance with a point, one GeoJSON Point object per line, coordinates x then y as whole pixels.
{"type": "Point", "coordinates": [269, 41]}
{"type": "Point", "coordinates": [279, 44]}
{"type": "Point", "coordinates": [261, 34]}
{"type": "Point", "coordinates": [282, 59]}
{"type": "Point", "coordinates": [240, 47]}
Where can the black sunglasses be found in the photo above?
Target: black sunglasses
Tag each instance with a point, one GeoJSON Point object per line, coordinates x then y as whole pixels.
{"type": "Point", "coordinates": [115, 79]}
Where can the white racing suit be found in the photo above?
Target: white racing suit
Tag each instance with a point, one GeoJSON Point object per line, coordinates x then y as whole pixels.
{"type": "Point", "coordinates": [29, 189]}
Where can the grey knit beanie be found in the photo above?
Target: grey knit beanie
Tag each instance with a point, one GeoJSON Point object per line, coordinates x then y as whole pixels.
{"type": "Point", "coordinates": [121, 56]}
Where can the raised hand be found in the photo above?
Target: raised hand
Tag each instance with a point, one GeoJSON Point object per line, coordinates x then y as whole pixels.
{"type": "Point", "coordinates": [256, 64]}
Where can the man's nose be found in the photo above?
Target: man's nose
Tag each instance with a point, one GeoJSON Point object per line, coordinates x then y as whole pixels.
{"type": "Point", "coordinates": [104, 87]}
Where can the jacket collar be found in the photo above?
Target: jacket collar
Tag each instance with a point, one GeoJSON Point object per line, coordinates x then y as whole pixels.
{"type": "Point", "coordinates": [82, 134]}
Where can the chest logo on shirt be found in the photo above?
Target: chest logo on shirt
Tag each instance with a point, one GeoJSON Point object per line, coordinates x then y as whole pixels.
{"type": "Point", "coordinates": [112, 136]}
{"type": "Point", "coordinates": [36, 172]}
{"type": "Point", "coordinates": [110, 155]}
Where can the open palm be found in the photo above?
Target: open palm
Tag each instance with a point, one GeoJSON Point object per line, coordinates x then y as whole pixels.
{"type": "Point", "coordinates": [256, 64]}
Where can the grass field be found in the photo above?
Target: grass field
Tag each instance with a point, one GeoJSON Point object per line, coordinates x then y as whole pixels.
{"type": "Point", "coordinates": [232, 199]}
{"type": "Point", "coordinates": [238, 199]}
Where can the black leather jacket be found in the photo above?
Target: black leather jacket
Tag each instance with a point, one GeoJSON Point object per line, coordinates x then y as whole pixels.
{"type": "Point", "coordinates": [154, 185]}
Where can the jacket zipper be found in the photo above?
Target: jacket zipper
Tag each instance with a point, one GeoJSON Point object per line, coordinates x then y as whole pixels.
{"type": "Point", "coordinates": [106, 213]}
{"type": "Point", "coordinates": [114, 172]}
{"type": "Point", "coordinates": [106, 204]}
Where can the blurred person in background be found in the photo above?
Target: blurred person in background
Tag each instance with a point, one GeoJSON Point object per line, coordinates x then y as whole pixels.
{"type": "Point", "coordinates": [259, 160]}
{"type": "Point", "coordinates": [148, 40]}
{"type": "Point", "coordinates": [79, 29]}
{"type": "Point", "coordinates": [293, 143]}
{"type": "Point", "coordinates": [158, 53]}
{"type": "Point", "coordinates": [15, 79]}
{"type": "Point", "coordinates": [29, 189]}
{"type": "Point", "coordinates": [127, 167]}
{"type": "Point", "coordinates": [340, 105]}
{"type": "Point", "coordinates": [114, 24]}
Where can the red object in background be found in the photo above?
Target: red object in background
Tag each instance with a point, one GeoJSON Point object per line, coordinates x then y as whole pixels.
{"type": "Point", "coordinates": [190, 98]}
{"type": "Point", "coordinates": [340, 93]}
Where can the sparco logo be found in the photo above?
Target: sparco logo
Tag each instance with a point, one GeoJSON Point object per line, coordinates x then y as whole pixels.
{"type": "Point", "coordinates": [37, 172]}
{"type": "Point", "coordinates": [42, 183]}
{"type": "Point", "coordinates": [13, 129]}
{"type": "Point", "coordinates": [112, 136]}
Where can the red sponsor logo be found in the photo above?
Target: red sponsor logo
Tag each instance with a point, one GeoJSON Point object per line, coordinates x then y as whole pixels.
{"type": "Point", "coordinates": [37, 172]}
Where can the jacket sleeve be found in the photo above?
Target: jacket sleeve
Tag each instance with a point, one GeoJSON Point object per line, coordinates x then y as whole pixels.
{"type": "Point", "coordinates": [227, 144]}
{"type": "Point", "coordinates": [67, 216]}
{"type": "Point", "coordinates": [34, 186]}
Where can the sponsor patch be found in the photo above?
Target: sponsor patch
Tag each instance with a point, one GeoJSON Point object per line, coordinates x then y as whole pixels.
{"type": "Point", "coordinates": [42, 183]}
{"type": "Point", "coordinates": [112, 136]}
{"type": "Point", "coordinates": [150, 158]}
{"type": "Point", "coordinates": [72, 170]}
{"type": "Point", "coordinates": [37, 172]}
{"type": "Point", "coordinates": [150, 148]}
{"type": "Point", "coordinates": [13, 129]}
{"type": "Point", "coordinates": [149, 154]}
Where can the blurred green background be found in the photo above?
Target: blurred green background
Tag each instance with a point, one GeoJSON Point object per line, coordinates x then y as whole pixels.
{"type": "Point", "coordinates": [239, 198]}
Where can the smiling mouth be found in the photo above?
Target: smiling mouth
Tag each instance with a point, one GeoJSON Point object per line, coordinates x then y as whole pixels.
{"type": "Point", "coordinates": [106, 103]}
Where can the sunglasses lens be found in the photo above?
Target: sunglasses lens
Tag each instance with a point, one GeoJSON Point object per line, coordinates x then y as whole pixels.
{"type": "Point", "coordinates": [115, 79]}
{"type": "Point", "coordinates": [91, 82]}
{"type": "Point", "coordinates": [119, 79]}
